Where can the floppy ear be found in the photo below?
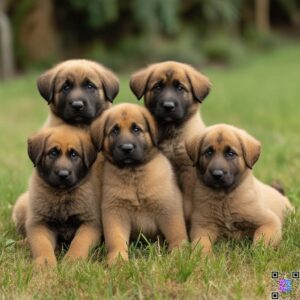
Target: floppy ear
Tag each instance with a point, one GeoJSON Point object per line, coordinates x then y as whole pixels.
{"type": "Point", "coordinates": [35, 147]}
{"type": "Point", "coordinates": [138, 82]}
{"type": "Point", "coordinates": [193, 147]}
{"type": "Point", "coordinates": [251, 148]}
{"type": "Point", "coordinates": [89, 153]}
{"type": "Point", "coordinates": [200, 84]}
{"type": "Point", "coordinates": [97, 131]}
{"type": "Point", "coordinates": [110, 82]}
{"type": "Point", "coordinates": [46, 84]}
{"type": "Point", "coordinates": [151, 126]}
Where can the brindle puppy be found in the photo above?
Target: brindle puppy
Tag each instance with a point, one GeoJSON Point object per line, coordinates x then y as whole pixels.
{"type": "Point", "coordinates": [172, 92]}
{"type": "Point", "coordinates": [228, 199]}
{"type": "Point", "coordinates": [64, 195]}
{"type": "Point", "coordinates": [139, 187]}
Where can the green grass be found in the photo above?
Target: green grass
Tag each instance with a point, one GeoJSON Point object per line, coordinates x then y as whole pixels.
{"type": "Point", "coordinates": [261, 96]}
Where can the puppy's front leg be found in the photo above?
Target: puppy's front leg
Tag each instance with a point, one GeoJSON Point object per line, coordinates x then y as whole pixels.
{"type": "Point", "coordinates": [42, 243]}
{"type": "Point", "coordinates": [116, 226]}
{"type": "Point", "coordinates": [172, 226]}
{"type": "Point", "coordinates": [270, 231]}
{"type": "Point", "coordinates": [87, 236]}
{"type": "Point", "coordinates": [204, 236]}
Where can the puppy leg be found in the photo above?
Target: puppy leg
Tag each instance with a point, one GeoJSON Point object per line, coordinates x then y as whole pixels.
{"type": "Point", "coordinates": [270, 232]}
{"type": "Point", "coordinates": [173, 228]}
{"type": "Point", "coordinates": [87, 236]}
{"type": "Point", "coordinates": [116, 234]}
{"type": "Point", "coordinates": [42, 243]}
{"type": "Point", "coordinates": [204, 236]}
{"type": "Point", "coordinates": [20, 211]}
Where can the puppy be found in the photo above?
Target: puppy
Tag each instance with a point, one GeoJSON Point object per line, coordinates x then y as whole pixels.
{"type": "Point", "coordinates": [64, 193]}
{"type": "Point", "coordinates": [139, 188]}
{"type": "Point", "coordinates": [228, 199]}
{"type": "Point", "coordinates": [172, 93]}
{"type": "Point", "coordinates": [77, 91]}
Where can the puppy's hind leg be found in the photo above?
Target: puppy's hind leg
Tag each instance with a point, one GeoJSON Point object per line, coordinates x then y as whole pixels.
{"type": "Point", "coordinates": [270, 232]}
{"type": "Point", "coordinates": [20, 211]}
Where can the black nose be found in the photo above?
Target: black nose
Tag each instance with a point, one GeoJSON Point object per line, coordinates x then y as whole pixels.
{"type": "Point", "coordinates": [127, 148]}
{"type": "Point", "coordinates": [217, 173]}
{"type": "Point", "coordinates": [77, 104]}
{"type": "Point", "coordinates": [63, 174]}
{"type": "Point", "coordinates": [168, 106]}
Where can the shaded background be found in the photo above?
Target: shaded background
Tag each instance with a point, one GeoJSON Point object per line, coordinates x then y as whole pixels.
{"type": "Point", "coordinates": [127, 34]}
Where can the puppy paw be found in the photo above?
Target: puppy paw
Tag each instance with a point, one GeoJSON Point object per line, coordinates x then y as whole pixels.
{"type": "Point", "coordinates": [45, 261]}
{"type": "Point", "coordinates": [178, 244]}
{"type": "Point", "coordinates": [114, 257]}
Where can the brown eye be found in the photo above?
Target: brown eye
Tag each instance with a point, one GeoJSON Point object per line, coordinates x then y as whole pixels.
{"type": "Point", "coordinates": [230, 154]}
{"type": "Point", "coordinates": [158, 86]}
{"type": "Point", "coordinates": [115, 130]}
{"type": "Point", "coordinates": [66, 87]}
{"type": "Point", "coordinates": [53, 153]}
{"type": "Point", "coordinates": [209, 152]}
{"type": "Point", "coordinates": [74, 154]}
{"type": "Point", "coordinates": [135, 128]}
{"type": "Point", "coordinates": [90, 86]}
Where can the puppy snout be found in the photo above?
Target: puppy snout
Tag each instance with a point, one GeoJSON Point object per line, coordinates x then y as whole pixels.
{"type": "Point", "coordinates": [218, 173]}
{"type": "Point", "coordinates": [77, 104]}
{"type": "Point", "coordinates": [63, 174]}
{"type": "Point", "coordinates": [127, 148]}
{"type": "Point", "coordinates": [169, 106]}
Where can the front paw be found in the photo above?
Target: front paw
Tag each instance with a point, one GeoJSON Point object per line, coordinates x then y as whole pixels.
{"type": "Point", "coordinates": [45, 261]}
{"type": "Point", "coordinates": [206, 249]}
{"type": "Point", "coordinates": [113, 257]}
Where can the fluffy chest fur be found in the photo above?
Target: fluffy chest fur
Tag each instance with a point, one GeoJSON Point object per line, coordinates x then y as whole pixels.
{"type": "Point", "coordinates": [138, 188]}
{"type": "Point", "coordinates": [63, 211]}
{"type": "Point", "coordinates": [230, 213]}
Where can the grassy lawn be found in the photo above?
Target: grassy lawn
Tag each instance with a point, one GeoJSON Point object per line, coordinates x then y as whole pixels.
{"type": "Point", "coordinates": [261, 96]}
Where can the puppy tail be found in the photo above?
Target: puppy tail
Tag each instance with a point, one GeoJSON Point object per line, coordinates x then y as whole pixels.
{"type": "Point", "coordinates": [278, 186]}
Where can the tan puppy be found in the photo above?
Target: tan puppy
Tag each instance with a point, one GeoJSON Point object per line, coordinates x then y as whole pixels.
{"type": "Point", "coordinates": [64, 194]}
{"type": "Point", "coordinates": [77, 91]}
{"type": "Point", "coordinates": [172, 93]}
{"type": "Point", "coordinates": [139, 188]}
{"type": "Point", "coordinates": [228, 199]}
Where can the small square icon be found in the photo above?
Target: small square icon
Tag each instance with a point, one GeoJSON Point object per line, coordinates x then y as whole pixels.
{"type": "Point", "coordinates": [296, 275]}
{"type": "Point", "coordinates": [275, 295]}
{"type": "Point", "coordinates": [274, 275]}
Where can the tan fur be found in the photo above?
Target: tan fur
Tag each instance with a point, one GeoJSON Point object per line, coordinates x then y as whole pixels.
{"type": "Point", "coordinates": [137, 199]}
{"type": "Point", "coordinates": [172, 139]}
{"type": "Point", "coordinates": [48, 203]}
{"type": "Point", "coordinates": [50, 83]}
{"type": "Point", "coordinates": [252, 209]}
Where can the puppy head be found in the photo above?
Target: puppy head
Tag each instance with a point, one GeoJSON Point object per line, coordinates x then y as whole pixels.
{"type": "Point", "coordinates": [127, 135]}
{"type": "Point", "coordinates": [222, 155]}
{"type": "Point", "coordinates": [171, 90]}
{"type": "Point", "coordinates": [78, 90]}
{"type": "Point", "coordinates": [63, 155]}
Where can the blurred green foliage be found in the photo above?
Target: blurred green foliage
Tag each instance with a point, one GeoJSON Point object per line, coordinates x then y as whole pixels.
{"type": "Point", "coordinates": [122, 34]}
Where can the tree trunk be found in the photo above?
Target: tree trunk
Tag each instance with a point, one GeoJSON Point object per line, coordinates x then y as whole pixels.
{"type": "Point", "coordinates": [6, 51]}
{"type": "Point", "coordinates": [262, 15]}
